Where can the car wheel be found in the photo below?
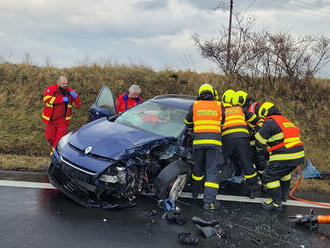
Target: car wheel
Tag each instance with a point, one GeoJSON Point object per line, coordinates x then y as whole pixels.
{"type": "Point", "coordinates": [171, 180]}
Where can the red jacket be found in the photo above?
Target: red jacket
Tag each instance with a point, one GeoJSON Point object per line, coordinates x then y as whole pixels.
{"type": "Point", "coordinates": [53, 99]}
{"type": "Point", "coordinates": [124, 102]}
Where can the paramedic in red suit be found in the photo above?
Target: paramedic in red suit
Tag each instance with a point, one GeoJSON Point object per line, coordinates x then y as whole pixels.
{"type": "Point", "coordinates": [129, 99]}
{"type": "Point", "coordinates": [59, 100]}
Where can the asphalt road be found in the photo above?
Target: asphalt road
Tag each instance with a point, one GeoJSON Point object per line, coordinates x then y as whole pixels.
{"type": "Point", "coordinates": [31, 217]}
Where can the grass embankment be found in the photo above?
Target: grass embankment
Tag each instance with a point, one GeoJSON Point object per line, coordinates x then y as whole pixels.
{"type": "Point", "coordinates": [22, 142]}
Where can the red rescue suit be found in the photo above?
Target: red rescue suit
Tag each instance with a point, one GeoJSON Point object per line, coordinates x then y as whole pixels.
{"type": "Point", "coordinates": [57, 114]}
{"type": "Point", "coordinates": [124, 102]}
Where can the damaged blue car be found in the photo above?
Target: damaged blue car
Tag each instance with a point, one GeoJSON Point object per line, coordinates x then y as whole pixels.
{"type": "Point", "coordinates": [114, 158]}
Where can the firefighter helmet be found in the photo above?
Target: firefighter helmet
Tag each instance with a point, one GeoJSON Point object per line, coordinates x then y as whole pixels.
{"type": "Point", "coordinates": [206, 88]}
{"type": "Point", "coordinates": [264, 108]}
{"type": "Point", "coordinates": [239, 98]}
{"type": "Point", "coordinates": [227, 96]}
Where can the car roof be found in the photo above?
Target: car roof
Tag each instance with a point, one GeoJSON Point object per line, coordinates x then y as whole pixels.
{"type": "Point", "coordinates": [176, 100]}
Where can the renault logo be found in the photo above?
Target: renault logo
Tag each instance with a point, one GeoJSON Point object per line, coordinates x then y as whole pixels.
{"type": "Point", "coordinates": [88, 149]}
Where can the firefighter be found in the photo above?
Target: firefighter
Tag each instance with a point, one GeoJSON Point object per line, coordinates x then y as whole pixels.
{"type": "Point", "coordinates": [205, 117]}
{"type": "Point", "coordinates": [236, 138]}
{"type": "Point", "coordinates": [59, 99]}
{"type": "Point", "coordinates": [251, 105]}
{"type": "Point", "coordinates": [286, 152]}
{"type": "Point", "coordinates": [128, 99]}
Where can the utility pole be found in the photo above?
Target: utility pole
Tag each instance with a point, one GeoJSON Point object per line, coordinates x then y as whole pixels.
{"type": "Point", "coordinates": [229, 35]}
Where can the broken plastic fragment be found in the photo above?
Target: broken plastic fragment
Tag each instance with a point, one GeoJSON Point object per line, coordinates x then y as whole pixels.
{"type": "Point", "coordinates": [208, 231]}
{"type": "Point", "coordinates": [187, 238]}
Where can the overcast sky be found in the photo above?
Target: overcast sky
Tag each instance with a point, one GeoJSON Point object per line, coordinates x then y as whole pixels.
{"type": "Point", "coordinates": [156, 33]}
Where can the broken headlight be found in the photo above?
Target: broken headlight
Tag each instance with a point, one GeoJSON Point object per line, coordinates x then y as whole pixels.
{"type": "Point", "coordinates": [114, 175]}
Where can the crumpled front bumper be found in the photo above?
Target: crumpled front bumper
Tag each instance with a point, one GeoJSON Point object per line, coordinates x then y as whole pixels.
{"type": "Point", "coordinates": [76, 183]}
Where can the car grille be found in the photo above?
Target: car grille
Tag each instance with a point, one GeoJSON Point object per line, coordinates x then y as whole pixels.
{"type": "Point", "coordinates": [63, 180]}
{"type": "Point", "coordinates": [73, 170]}
{"type": "Point", "coordinates": [68, 186]}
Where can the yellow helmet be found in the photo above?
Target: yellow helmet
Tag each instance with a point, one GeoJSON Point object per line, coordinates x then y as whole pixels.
{"type": "Point", "coordinates": [264, 108]}
{"type": "Point", "coordinates": [227, 96]}
{"type": "Point", "coordinates": [239, 98]}
{"type": "Point", "coordinates": [206, 87]}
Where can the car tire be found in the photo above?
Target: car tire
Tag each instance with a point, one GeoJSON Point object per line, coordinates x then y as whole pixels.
{"type": "Point", "coordinates": [171, 180]}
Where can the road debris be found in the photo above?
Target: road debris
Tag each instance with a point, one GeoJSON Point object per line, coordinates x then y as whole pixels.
{"type": "Point", "coordinates": [187, 239]}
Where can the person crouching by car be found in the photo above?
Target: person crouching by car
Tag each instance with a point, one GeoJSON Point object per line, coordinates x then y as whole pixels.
{"type": "Point", "coordinates": [286, 152]}
{"type": "Point", "coordinates": [128, 99]}
{"type": "Point", "coordinates": [59, 99]}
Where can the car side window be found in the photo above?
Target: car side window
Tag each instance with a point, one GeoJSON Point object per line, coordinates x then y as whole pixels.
{"type": "Point", "coordinates": [105, 99]}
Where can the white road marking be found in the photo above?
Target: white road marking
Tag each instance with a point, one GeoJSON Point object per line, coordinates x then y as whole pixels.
{"type": "Point", "coordinates": [256, 200]}
{"type": "Point", "coordinates": [23, 184]}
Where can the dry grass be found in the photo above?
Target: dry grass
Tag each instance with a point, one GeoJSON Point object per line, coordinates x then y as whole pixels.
{"type": "Point", "coordinates": [22, 87]}
{"type": "Point", "coordinates": [312, 185]}
{"type": "Point", "coordinates": [21, 162]}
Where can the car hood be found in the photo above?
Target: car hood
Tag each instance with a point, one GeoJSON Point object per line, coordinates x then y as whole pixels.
{"type": "Point", "coordinates": [114, 140]}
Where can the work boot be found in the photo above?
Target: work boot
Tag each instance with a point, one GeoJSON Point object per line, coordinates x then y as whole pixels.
{"type": "Point", "coordinates": [285, 187]}
{"type": "Point", "coordinates": [275, 203]}
{"type": "Point", "coordinates": [210, 206]}
{"type": "Point", "coordinates": [252, 194]}
{"type": "Point", "coordinates": [252, 186]}
{"type": "Point", "coordinates": [271, 205]}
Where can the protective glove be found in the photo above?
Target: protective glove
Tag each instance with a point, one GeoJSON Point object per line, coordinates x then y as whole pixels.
{"type": "Point", "coordinates": [65, 99]}
{"type": "Point", "coordinates": [73, 94]}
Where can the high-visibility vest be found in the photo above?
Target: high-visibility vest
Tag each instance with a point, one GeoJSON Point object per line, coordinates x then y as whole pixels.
{"type": "Point", "coordinates": [290, 133]}
{"type": "Point", "coordinates": [207, 116]}
{"type": "Point", "coordinates": [234, 121]}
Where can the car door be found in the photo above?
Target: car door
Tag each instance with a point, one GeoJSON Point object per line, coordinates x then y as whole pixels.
{"type": "Point", "coordinates": [103, 106]}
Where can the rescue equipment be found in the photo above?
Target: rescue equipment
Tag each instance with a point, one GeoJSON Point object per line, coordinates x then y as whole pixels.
{"type": "Point", "coordinates": [311, 220]}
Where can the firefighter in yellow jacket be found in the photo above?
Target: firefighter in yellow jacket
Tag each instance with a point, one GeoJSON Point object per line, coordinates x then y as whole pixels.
{"type": "Point", "coordinates": [286, 152]}
{"type": "Point", "coordinates": [204, 118]}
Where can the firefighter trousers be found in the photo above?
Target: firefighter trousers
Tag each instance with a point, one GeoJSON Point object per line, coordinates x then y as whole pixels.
{"type": "Point", "coordinates": [241, 149]}
{"type": "Point", "coordinates": [208, 161]}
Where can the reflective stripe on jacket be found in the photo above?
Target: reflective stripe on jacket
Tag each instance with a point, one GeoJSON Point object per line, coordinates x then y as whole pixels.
{"type": "Point", "coordinates": [234, 120]}
{"type": "Point", "coordinates": [52, 97]}
{"type": "Point", "coordinates": [252, 107]}
{"type": "Point", "coordinates": [207, 116]}
{"type": "Point", "coordinates": [283, 140]}
{"type": "Point", "coordinates": [289, 137]}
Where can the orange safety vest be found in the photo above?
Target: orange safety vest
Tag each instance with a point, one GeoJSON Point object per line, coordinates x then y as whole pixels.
{"type": "Point", "coordinates": [291, 136]}
{"type": "Point", "coordinates": [50, 99]}
{"type": "Point", "coordinates": [234, 121]}
{"type": "Point", "coordinates": [207, 116]}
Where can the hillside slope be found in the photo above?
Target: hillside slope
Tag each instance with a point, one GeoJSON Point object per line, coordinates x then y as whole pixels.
{"type": "Point", "coordinates": [22, 87]}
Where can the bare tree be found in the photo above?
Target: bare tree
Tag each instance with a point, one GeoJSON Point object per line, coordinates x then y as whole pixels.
{"type": "Point", "coordinates": [271, 56]}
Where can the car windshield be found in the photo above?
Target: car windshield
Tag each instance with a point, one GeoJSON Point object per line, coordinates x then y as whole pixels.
{"type": "Point", "coordinates": [157, 118]}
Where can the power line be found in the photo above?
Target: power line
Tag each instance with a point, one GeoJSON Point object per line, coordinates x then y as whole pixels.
{"type": "Point", "coordinates": [293, 8]}
{"type": "Point", "coordinates": [298, 4]}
